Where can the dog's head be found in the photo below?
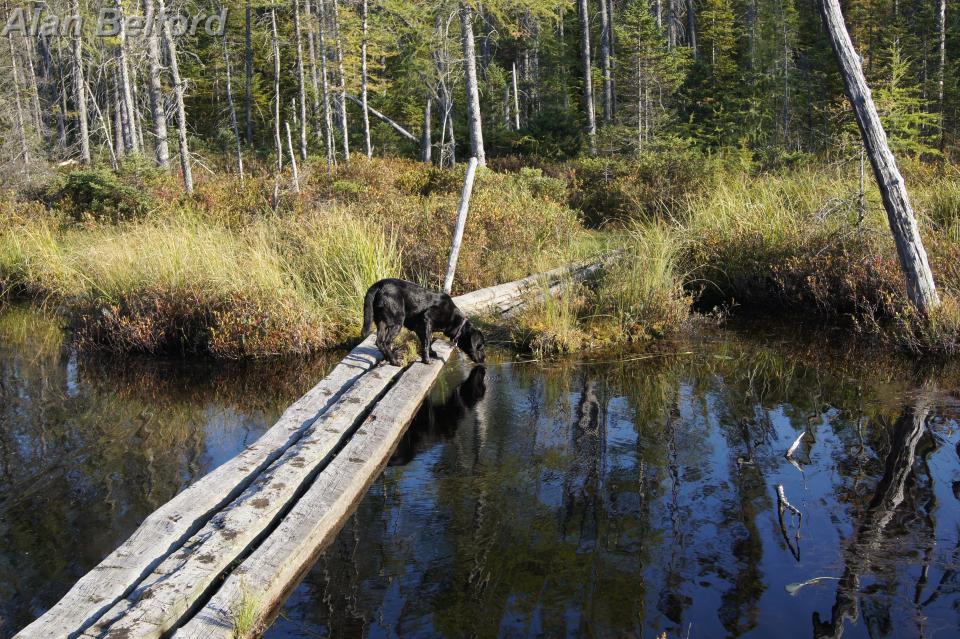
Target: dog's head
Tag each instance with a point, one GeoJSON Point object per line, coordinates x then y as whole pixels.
{"type": "Point", "coordinates": [471, 342]}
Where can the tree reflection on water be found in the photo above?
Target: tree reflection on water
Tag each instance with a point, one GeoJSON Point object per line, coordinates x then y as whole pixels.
{"type": "Point", "coordinates": [633, 498]}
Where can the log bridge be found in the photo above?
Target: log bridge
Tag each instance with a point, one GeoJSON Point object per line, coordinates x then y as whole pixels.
{"type": "Point", "coordinates": [218, 559]}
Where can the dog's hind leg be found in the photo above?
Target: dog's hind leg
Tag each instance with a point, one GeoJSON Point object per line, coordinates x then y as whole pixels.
{"type": "Point", "coordinates": [386, 334]}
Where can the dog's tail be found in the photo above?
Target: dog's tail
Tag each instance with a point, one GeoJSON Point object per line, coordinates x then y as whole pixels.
{"type": "Point", "coordinates": [368, 310]}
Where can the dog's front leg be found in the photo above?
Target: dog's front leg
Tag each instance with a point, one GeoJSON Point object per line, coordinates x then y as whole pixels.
{"type": "Point", "coordinates": [425, 334]}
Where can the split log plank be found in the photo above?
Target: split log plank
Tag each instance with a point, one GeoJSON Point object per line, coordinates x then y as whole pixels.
{"type": "Point", "coordinates": [263, 580]}
{"type": "Point", "coordinates": [159, 602]}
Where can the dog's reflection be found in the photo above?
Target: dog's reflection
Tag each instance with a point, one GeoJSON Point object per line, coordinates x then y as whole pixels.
{"type": "Point", "coordinates": [436, 421]}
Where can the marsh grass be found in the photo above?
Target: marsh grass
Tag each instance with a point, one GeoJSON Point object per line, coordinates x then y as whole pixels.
{"type": "Point", "coordinates": [227, 274]}
{"type": "Point", "coordinates": [244, 613]}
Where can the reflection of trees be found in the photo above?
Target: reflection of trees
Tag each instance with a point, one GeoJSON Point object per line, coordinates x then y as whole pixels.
{"type": "Point", "coordinates": [869, 541]}
{"type": "Point", "coordinates": [615, 499]}
{"type": "Point", "coordinates": [89, 447]}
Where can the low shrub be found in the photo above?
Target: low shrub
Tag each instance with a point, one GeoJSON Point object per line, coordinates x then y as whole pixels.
{"type": "Point", "coordinates": [103, 195]}
{"type": "Point", "coordinates": [617, 192]}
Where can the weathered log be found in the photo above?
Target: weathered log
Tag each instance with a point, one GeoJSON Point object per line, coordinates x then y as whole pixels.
{"type": "Point", "coordinates": [159, 603]}
{"type": "Point", "coordinates": [913, 258]}
{"type": "Point", "coordinates": [264, 578]}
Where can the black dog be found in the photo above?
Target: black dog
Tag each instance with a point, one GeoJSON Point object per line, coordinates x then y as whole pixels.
{"type": "Point", "coordinates": [393, 303]}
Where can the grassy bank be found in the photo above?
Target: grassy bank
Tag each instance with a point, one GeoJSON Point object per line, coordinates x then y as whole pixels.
{"type": "Point", "coordinates": [798, 243]}
{"type": "Point", "coordinates": [133, 266]}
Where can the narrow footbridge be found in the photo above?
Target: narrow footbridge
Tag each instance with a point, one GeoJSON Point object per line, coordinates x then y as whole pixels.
{"type": "Point", "coordinates": [220, 557]}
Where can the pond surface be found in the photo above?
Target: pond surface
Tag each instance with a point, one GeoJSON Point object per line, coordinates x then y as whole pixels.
{"type": "Point", "coordinates": [633, 498]}
{"type": "Point", "coordinates": [630, 495]}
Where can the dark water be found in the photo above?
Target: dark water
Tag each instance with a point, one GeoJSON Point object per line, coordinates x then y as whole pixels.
{"type": "Point", "coordinates": [640, 497]}
{"type": "Point", "coordinates": [625, 497]}
{"type": "Point", "coordinates": [89, 448]}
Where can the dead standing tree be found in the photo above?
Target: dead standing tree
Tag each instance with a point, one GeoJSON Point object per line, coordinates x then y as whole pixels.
{"type": "Point", "coordinates": [179, 86]}
{"type": "Point", "coordinates": [913, 258]}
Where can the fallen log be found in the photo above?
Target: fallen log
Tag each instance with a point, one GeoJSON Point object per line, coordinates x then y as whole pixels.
{"type": "Point", "coordinates": [263, 580]}
{"type": "Point", "coordinates": [159, 603]}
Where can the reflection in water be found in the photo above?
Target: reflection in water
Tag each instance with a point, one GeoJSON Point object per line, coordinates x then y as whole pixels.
{"type": "Point", "coordinates": [635, 498]}
{"type": "Point", "coordinates": [90, 448]}
{"type": "Point", "coordinates": [608, 499]}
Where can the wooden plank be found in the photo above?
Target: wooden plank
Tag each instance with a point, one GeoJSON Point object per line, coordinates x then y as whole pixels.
{"type": "Point", "coordinates": [263, 580]}
{"type": "Point", "coordinates": [160, 601]}
{"type": "Point", "coordinates": [170, 525]}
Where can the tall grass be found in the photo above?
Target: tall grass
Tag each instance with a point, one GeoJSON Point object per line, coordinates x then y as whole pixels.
{"type": "Point", "coordinates": [228, 274]}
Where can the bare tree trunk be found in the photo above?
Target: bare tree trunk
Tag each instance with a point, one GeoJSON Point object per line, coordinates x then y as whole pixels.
{"type": "Point", "coordinates": [231, 106]}
{"type": "Point", "coordinates": [276, 88]}
{"type": "Point", "coordinates": [248, 69]}
{"type": "Point", "coordinates": [658, 8]}
{"type": "Point", "coordinates": [942, 43]}
{"type": "Point", "coordinates": [178, 86]}
{"type": "Point", "coordinates": [138, 115]}
{"type": "Point", "coordinates": [130, 142]}
{"type": "Point", "coordinates": [426, 145]}
{"type": "Point", "coordinates": [692, 27]}
{"type": "Point", "coordinates": [314, 80]}
{"type": "Point", "coordinates": [343, 82]}
{"type": "Point", "coordinates": [103, 125]}
{"type": "Point", "coordinates": [913, 258]}
{"type": "Point", "coordinates": [61, 98]}
{"type": "Point", "coordinates": [474, 121]}
{"type": "Point", "coordinates": [363, 77]}
{"type": "Point", "coordinates": [516, 100]}
{"type": "Point", "coordinates": [507, 118]}
{"type": "Point", "coordinates": [587, 74]}
{"type": "Point", "coordinates": [293, 159]}
{"type": "Point", "coordinates": [671, 23]}
{"type": "Point", "coordinates": [605, 67]}
{"type": "Point", "coordinates": [80, 88]}
{"type": "Point", "coordinates": [155, 88]}
{"type": "Point", "coordinates": [325, 86]}
{"type": "Point", "coordinates": [34, 90]}
{"type": "Point", "coordinates": [301, 79]}
{"type": "Point", "coordinates": [21, 124]}
{"type": "Point", "coordinates": [119, 111]}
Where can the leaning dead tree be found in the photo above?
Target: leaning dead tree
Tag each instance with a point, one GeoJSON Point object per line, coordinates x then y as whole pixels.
{"type": "Point", "coordinates": [903, 224]}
